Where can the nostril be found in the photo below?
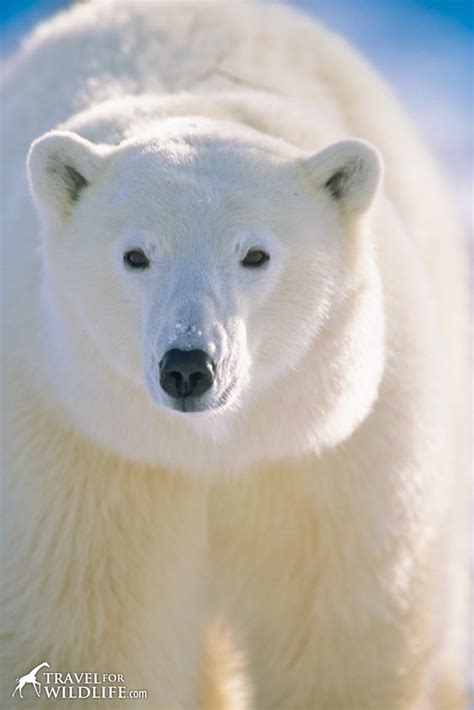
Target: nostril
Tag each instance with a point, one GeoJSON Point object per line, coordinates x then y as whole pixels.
{"type": "Point", "coordinates": [194, 379]}
{"type": "Point", "coordinates": [186, 373]}
{"type": "Point", "coordinates": [175, 382]}
{"type": "Point", "coordinates": [198, 383]}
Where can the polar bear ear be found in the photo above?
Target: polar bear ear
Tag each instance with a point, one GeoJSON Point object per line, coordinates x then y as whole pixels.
{"type": "Point", "coordinates": [60, 166]}
{"type": "Point", "coordinates": [351, 172]}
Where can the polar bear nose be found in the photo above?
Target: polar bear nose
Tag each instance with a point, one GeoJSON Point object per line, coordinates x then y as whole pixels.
{"type": "Point", "coordinates": [186, 373]}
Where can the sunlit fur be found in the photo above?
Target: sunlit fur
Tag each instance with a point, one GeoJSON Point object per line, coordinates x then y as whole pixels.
{"type": "Point", "coordinates": [312, 498]}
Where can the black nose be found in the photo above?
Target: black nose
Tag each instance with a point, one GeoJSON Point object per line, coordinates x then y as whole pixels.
{"type": "Point", "coordinates": [186, 373]}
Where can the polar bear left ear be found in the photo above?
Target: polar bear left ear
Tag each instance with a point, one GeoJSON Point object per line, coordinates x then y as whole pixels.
{"type": "Point", "coordinates": [61, 165]}
{"type": "Point", "coordinates": [351, 172]}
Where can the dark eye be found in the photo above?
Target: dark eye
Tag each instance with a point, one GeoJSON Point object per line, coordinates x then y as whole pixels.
{"type": "Point", "coordinates": [136, 259]}
{"type": "Point", "coordinates": [255, 257]}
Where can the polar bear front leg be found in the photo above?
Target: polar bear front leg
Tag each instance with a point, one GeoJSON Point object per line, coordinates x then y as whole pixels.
{"type": "Point", "coordinates": [103, 565]}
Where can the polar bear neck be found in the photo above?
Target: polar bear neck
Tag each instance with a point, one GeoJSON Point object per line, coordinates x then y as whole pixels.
{"type": "Point", "coordinates": [272, 114]}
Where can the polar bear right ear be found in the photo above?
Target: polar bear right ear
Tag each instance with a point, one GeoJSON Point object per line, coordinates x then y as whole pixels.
{"type": "Point", "coordinates": [61, 165]}
{"type": "Point", "coordinates": [351, 172]}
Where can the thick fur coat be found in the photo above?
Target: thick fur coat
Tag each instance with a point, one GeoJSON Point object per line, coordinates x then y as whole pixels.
{"type": "Point", "coordinates": [294, 538]}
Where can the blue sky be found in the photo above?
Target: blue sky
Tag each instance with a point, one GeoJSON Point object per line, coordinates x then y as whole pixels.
{"type": "Point", "coordinates": [423, 47]}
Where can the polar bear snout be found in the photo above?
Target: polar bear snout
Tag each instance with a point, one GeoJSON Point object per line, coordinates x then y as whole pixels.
{"type": "Point", "coordinates": [186, 373]}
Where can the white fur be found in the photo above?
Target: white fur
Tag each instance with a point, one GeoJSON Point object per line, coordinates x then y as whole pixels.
{"type": "Point", "coordinates": [315, 499]}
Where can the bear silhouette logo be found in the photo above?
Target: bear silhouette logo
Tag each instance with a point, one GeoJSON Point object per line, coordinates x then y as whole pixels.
{"type": "Point", "coordinates": [30, 678]}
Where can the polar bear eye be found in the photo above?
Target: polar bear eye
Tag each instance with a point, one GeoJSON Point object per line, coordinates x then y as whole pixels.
{"type": "Point", "coordinates": [136, 259]}
{"type": "Point", "coordinates": [255, 257]}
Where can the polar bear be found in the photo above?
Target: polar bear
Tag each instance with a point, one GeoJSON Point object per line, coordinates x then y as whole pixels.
{"type": "Point", "coordinates": [233, 368]}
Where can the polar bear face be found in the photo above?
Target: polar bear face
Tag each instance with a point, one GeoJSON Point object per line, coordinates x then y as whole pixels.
{"type": "Point", "coordinates": [205, 262]}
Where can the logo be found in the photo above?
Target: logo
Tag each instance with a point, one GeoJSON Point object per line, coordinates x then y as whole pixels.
{"type": "Point", "coordinates": [77, 686]}
{"type": "Point", "coordinates": [30, 678]}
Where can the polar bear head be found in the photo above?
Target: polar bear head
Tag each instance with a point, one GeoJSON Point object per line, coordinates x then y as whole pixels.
{"type": "Point", "coordinates": [227, 276]}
